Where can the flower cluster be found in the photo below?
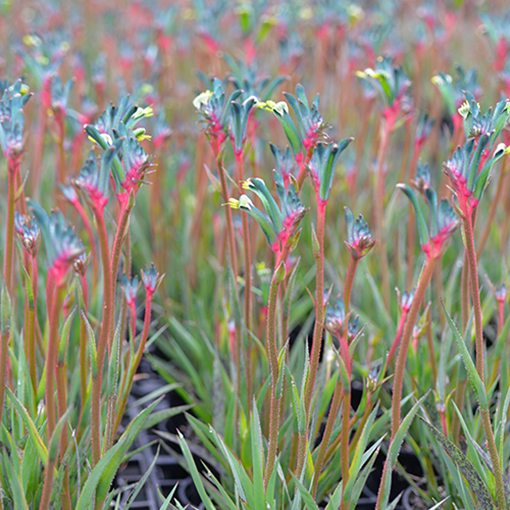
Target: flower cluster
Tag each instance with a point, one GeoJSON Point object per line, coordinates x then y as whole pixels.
{"type": "Point", "coordinates": [116, 127]}
{"type": "Point", "coordinates": [422, 179]}
{"type": "Point", "coordinates": [497, 28]}
{"type": "Point", "coordinates": [452, 89]}
{"type": "Point", "coordinates": [322, 166]}
{"type": "Point", "coordinates": [335, 320]}
{"type": "Point", "coordinates": [392, 83]}
{"type": "Point", "coordinates": [151, 279]}
{"type": "Point", "coordinates": [214, 111]}
{"type": "Point", "coordinates": [60, 97]}
{"type": "Point", "coordinates": [359, 238]}
{"type": "Point", "coordinates": [135, 162]}
{"type": "Point", "coordinates": [467, 174]}
{"type": "Point", "coordinates": [285, 165]}
{"type": "Point", "coordinates": [43, 60]}
{"type": "Point", "coordinates": [423, 129]}
{"type": "Point", "coordinates": [94, 181]}
{"type": "Point", "coordinates": [310, 124]}
{"type": "Point", "coordinates": [246, 78]}
{"type": "Point", "coordinates": [490, 123]}
{"type": "Point", "coordinates": [443, 221]}
{"type": "Point", "coordinates": [62, 245]}
{"type": "Point", "coordinates": [500, 293]}
{"type": "Point", "coordinates": [130, 288]}
{"type": "Point", "coordinates": [28, 231]}
{"type": "Point", "coordinates": [12, 119]}
{"type": "Point", "coordinates": [239, 116]}
{"type": "Point", "coordinates": [280, 224]}
{"type": "Point", "coordinates": [406, 300]}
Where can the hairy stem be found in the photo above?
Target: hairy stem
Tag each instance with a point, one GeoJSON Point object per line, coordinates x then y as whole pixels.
{"type": "Point", "coordinates": [228, 214]}
{"type": "Point", "coordinates": [319, 307]}
{"type": "Point", "coordinates": [467, 223]}
{"type": "Point", "coordinates": [397, 338]}
{"type": "Point", "coordinates": [4, 348]}
{"type": "Point", "coordinates": [349, 279]}
{"type": "Point", "coordinates": [54, 299]}
{"type": "Point", "coordinates": [124, 391]}
{"type": "Point", "coordinates": [97, 381]}
{"type": "Point", "coordinates": [317, 332]}
{"type": "Point", "coordinates": [406, 340]}
{"type": "Point", "coordinates": [247, 287]}
{"type": "Point", "coordinates": [411, 229]}
{"type": "Point", "coordinates": [492, 211]}
{"type": "Point", "coordinates": [93, 245]}
{"type": "Point", "coordinates": [491, 445]}
{"type": "Point", "coordinates": [54, 308]}
{"type": "Point", "coordinates": [333, 413]}
{"type": "Point", "coordinates": [379, 211]}
{"type": "Point", "coordinates": [401, 361]}
{"type": "Point", "coordinates": [9, 231]}
{"type": "Point", "coordinates": [302, 173]}
{"type": "Point", "coordinates": [116, 251]}
{"type": "Point", "coordinates": [272, 353]}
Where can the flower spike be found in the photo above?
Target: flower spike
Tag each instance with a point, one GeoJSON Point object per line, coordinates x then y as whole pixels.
{"type": "Point", "coordinates": [500, 293]}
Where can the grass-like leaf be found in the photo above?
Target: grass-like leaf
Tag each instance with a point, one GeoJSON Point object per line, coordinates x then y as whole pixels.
{"type": "Point", "coordinates": [474, 378]}
{"type": "Point", "coordinates": [475, 482]}
{"type": "Point", "coordinates": [394, 449]}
